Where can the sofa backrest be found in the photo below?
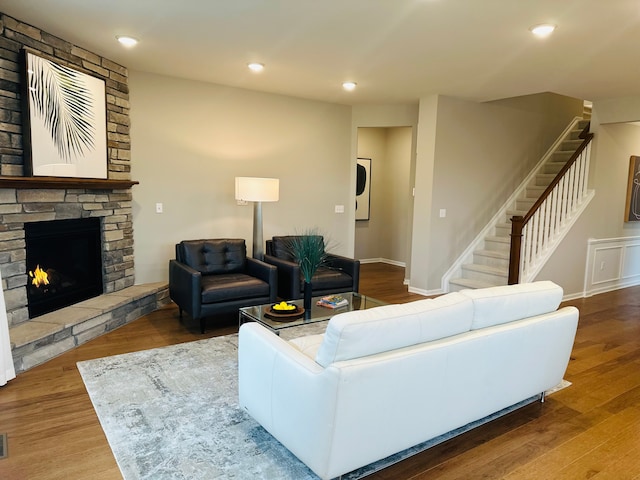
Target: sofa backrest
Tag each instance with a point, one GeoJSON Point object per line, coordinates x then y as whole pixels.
{"type": "Point", "coordinates": [280, 246]}
{"type": "Point", "coordinates": [498, 305]}
{"type": "Point", "coordinates": [360, 333]}
{"type": "Point", "coordinates": [367, 332]}
{"type": "Point", "coordinates": [216, 256]}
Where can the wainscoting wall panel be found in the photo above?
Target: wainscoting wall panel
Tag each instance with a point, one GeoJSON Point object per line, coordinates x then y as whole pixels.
{"type": "Point", "coordinates": [612, 263]}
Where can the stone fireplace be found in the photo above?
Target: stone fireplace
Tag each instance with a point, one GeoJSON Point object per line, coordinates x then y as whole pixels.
{"type": "Point", "coordinates": [25, 206]}
{"type": "Point", "coordinates": [24, 201]}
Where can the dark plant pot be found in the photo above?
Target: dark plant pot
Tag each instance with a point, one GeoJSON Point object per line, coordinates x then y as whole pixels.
{"type": "Point", "coordinates": [307, 296]}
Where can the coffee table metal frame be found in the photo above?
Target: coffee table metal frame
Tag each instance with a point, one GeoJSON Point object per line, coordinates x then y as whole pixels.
{"type": "Point", "coordinates": [317, 313]}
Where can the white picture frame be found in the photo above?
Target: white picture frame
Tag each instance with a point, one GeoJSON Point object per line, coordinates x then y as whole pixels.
{"type": "Point", "coordinates": [65, 124]}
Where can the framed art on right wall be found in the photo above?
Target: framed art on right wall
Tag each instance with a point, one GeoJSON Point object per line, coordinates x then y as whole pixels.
{"type": "Point", "coordinates": [632, 207]}
{"type": "Point", "coordinates": [363, 188]}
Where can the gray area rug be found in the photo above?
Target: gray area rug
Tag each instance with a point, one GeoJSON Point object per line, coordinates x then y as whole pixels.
{"type": "Point", "coordinates": [172, 413]}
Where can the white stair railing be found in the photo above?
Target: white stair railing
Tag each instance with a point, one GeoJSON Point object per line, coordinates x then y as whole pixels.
{"type": "Point", "coordinates": [533, 235]}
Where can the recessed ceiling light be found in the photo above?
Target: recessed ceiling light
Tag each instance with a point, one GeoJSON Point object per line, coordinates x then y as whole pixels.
{"type": "Point", "coordinates": [256, 67]}
{"type": "Point", "coordinates": [542, 30]}
{"type": "Point", "coordinates": [349, 86]}
{"type": "Point", "coordinates": [126, 40]}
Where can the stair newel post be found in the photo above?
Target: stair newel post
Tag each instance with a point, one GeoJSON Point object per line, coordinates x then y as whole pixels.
{"type": "Point", "coordinates": [517, 224]}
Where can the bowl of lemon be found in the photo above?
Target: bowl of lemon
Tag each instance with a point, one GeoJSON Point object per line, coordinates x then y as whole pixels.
{"type": "Point", "coordinates": [284, 307]}
{"type": "Point", "coordinates": [284, 310]}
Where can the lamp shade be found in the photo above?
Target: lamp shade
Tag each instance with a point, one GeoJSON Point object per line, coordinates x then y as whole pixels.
{"type": "Point", "coordinates": [254, 189]}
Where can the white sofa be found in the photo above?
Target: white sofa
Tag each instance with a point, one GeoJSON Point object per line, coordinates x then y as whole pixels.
{"type": "Point", "coordinates": [385, 379]}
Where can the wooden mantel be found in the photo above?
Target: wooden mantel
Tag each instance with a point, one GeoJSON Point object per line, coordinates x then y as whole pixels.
{"type": "Point", "coordinates": [65, 182]}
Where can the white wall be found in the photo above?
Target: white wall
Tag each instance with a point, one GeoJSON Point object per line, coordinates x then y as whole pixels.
{"type": "Point", "coordinates": [190, 140]}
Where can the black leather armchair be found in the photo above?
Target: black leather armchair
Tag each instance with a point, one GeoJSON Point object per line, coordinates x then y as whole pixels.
{"type": "Point", "coordinates": [338, 274]}
{"type": "Point", "coordinates": [208, 277]}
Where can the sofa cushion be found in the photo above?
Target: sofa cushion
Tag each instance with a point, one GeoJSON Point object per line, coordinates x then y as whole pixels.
{"type": "Point", "coordinates": [367, 332]}
{"type": "Point", "coordinates": [214, 256]}
{"type": "Point", "coordinates": [308, 345]}
{"type": "Point", "coordinates": [232, 286]}
{"type": "Point", "coordinates": [498, 305]}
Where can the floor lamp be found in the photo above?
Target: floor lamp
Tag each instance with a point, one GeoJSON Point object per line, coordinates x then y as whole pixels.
{"type": "Point", "coordinates": [257, 190]}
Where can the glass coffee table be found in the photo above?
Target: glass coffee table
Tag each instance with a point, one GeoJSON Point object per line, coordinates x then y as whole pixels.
{"type": "Point", "coordinates": [317, 313]}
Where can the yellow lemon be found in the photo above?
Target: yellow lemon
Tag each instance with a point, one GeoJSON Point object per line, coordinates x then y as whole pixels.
{"type": "Point", "coordinates": [284, 306]}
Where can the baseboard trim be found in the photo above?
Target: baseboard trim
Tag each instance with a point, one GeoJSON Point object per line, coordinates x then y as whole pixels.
{"type": "Point", "coordinates": [426, 293]}
{"type": "Point", "coordinates": [396, 263]}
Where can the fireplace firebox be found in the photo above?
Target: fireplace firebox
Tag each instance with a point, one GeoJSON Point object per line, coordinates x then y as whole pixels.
{"type": "Point", "coordinates": [64, 263]}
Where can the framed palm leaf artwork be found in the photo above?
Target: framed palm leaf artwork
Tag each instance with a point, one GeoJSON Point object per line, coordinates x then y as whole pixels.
{"type": "Point", "coordinates": [65, 126]}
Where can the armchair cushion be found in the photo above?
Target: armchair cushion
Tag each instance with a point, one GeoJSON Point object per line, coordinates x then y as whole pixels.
{"type": "Point", "coordinates": [232, 286]}
{"type": "Point", "coordinates": [327, 278]}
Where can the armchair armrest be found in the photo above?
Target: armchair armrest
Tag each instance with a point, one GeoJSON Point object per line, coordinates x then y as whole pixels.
{"type": "Point", "coordinates": [266, 273]}
{"type": "Point", "coordinates": [288, 277]}
{"type": "Point", "coordinates": [347, 265]}
{"type": "Point", "coordinates": [185, 287]}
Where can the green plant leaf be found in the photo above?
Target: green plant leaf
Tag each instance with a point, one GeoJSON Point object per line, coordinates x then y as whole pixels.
{"type": "Point", "coordinates": [309, 251]}
{"type": "Point", "coordinates": [61, 97]}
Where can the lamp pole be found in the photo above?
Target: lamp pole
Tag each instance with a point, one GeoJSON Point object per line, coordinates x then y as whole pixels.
{"type": "Point", "coordinates": [258, 251]}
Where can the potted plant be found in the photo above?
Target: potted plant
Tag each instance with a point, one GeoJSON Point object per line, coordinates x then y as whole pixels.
{"type": "Point", "coordinates": [308, 250]}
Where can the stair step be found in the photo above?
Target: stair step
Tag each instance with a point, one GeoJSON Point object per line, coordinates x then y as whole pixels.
{"type": "Point", "coordinates": [485, 273]}
{"type": "Point", "coordinates": [571, 144]}
{"type": "Point", "coordinates": [544, 179]}
{"type": "Point", "coordinates": [512, 212]}
{"type": "Point", "coordinates": [534, 191]}
{"type": "Point", "coordinates": [457, 284]}
{"type": "Point", "coordinates": [492, 258]}
{"type": "Point", "coordinates": [553, 167]}
{"type": "Point", "coordinates": [561, 156]}
{"type": "Point", "coordinates": [525, 204]}
{"type": "Point", "coordinates": [503, 229]}
{"type": "Point", "coordinates": [492, 242]}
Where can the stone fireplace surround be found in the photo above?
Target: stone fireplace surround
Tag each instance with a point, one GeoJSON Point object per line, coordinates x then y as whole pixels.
{"type": "Point", "coordinates": [37, 340]}
{"type": "Point", "coordinates": [31, 199]}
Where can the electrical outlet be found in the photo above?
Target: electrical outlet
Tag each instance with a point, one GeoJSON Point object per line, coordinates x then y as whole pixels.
{"type": "Point", "coordinates": [339, 209]}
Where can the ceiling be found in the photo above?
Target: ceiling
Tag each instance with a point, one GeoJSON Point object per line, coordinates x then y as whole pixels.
{"type": "Point", "coordinates": [396, 50]}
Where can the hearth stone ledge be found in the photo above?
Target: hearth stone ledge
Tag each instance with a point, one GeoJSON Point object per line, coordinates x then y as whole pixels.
{"type": "Point", "coordinates": [52, 334]}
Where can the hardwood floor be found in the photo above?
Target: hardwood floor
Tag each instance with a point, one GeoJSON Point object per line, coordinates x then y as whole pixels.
{"type": "Point", "coordinates": [589, 430]}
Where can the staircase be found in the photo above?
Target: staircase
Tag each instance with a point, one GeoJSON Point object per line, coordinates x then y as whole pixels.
{"type": "Point", "coordinates": [485, 262]}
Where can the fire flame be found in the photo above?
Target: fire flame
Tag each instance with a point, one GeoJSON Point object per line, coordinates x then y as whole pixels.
{"type": "Point", "coordinates": [39, 277]}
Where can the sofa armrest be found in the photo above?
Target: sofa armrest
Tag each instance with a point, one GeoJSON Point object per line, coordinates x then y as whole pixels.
{"type": "Point", "coordinates": [288, 393]}
{"type": "Point", "coordinates": [347, 265]}
{"type": "Point", "coordinates": [266, 273]}
{"type": "Point", "coordinates": [288, 277]}
{"type": "Point", "coordinates": [185, 287]}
